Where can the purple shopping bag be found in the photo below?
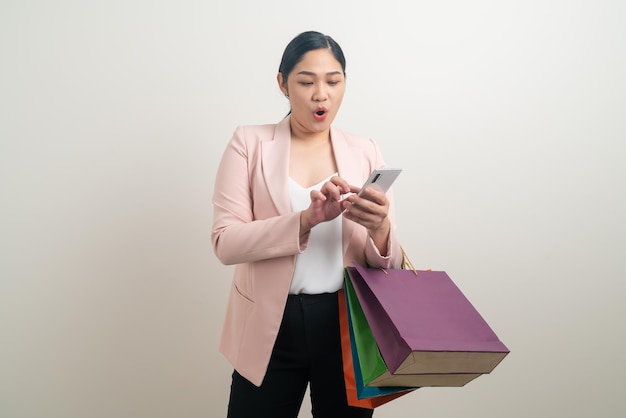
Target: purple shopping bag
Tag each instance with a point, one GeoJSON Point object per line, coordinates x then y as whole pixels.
{"type": "Point", "coordinates": [423, 324]}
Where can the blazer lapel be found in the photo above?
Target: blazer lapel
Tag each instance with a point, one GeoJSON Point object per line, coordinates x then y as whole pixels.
{"type": "Point", "coordinates": [275, 161]}
{"type": "Point", "coordinates": [350, 170]}
{"type": "Point", "coordinates": [349, 167]}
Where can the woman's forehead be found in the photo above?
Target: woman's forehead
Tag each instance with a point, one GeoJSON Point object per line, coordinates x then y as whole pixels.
{"type": "Point", "coordinates": [318, 62]}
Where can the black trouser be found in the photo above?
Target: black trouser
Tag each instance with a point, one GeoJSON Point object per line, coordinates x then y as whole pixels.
{"type": "Point", "coordinates": [307, 350]}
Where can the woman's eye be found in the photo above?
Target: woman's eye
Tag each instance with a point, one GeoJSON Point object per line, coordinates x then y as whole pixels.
{"type": "Point", "coordinates": [306, 83]}
{"type": "Point", "coordinates": [333, 83]}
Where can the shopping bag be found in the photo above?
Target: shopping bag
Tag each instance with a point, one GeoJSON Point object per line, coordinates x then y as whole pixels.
{"type": "Point", "coordinates": [370, 368]}
{"type": "Point", "coordinates": [424, 325]}
{"type": "Point", "coordinates": [368, 364]}
{"type": "Point", "coordinates": [357, 396]}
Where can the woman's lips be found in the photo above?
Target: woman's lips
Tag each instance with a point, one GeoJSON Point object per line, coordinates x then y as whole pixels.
{"type": "Point", "coordinates": [320, 114]}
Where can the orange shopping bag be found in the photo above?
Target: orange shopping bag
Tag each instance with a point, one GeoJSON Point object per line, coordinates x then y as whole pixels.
{"type": "Point", "coordinates": [348, 365]}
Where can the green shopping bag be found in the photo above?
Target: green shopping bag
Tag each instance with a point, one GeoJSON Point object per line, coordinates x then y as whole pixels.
{"type": "Point", "coordinates": [371, 363]}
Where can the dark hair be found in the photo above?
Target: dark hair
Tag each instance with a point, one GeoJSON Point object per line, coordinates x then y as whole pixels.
{"type": "Point", "coordinates": [305, 42]}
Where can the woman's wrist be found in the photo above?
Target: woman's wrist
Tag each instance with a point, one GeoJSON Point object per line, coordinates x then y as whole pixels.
{"type": "Point", "coordinates": [380, 236]}
{"type": "Point", "coordinates": [305, 223]}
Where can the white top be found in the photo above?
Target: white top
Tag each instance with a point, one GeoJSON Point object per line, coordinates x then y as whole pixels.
{"type": "Point", "coordinates": [319, 269]}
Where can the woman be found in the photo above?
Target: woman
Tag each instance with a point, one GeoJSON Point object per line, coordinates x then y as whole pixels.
{"type": "Point", "coordinates": [286, 213]}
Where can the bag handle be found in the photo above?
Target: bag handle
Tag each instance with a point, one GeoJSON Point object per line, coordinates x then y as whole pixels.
{"type": "Point", "coordinates": [406, 262]}
{"type": "Point", "coordinates": [405, 265]}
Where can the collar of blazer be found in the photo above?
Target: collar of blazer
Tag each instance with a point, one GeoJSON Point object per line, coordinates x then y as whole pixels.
{"type": "Point", "coordinates": [275, 160]}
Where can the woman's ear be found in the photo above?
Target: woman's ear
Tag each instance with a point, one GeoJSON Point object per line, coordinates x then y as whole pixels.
{"type": "Point", "coordinates": [281, 84]}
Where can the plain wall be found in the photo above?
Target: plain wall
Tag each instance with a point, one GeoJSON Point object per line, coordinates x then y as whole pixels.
{"type": "Point", "coordinates": [508, 117]}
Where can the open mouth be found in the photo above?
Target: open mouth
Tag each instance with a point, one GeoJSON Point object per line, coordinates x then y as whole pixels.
{"type": "Point", "coordinates": [320, 114]}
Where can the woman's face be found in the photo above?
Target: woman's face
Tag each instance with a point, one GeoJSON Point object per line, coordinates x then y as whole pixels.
{"type": "Point", "coordinates": [315, 88]}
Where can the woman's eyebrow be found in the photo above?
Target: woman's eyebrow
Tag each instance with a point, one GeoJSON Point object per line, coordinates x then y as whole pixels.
{"type": "Point", "coordinates": [311, 73]}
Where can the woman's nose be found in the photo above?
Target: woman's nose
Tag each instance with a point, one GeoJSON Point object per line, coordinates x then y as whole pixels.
{"type": "Point", "coordinates": [320, 93]}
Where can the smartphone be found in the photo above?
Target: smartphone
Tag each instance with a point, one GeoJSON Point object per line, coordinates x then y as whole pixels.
{"type": "Point", "coordinates": [381, 178]}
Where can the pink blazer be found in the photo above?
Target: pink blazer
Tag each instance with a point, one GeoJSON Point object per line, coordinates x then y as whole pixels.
{"type": "Point", "coordinates": [254, 228]}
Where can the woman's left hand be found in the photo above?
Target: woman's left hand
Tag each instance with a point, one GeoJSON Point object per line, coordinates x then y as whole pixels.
{"type": "Point", "coordinates": [371, 211]}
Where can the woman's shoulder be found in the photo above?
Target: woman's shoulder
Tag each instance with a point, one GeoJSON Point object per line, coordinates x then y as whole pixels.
{"type": "Point", "coordinates": [354, 140]}
{"type": "Point", "coordinates": [261, 132]}
{"type": "Point", "coordinates": [256, 130]}
{"type": "Point", "coordinates": [250, 137]}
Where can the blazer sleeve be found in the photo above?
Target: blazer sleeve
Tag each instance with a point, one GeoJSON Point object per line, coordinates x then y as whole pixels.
{"type": "Point", "coordinates": [237, 235]}
{"type": "Point", "coordinates": [393, 258]}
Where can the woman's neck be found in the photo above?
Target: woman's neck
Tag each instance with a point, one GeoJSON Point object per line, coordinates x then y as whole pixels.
{"type": "Point", "coordinates": [301, 134]}
{"type": "Point", "coordinates": [314, 139]}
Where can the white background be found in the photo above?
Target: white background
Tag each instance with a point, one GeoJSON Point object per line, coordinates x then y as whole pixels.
{"type": "Point", "coordinates": [508, 118]}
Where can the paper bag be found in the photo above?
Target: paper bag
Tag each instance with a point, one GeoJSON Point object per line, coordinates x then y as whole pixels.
{"type": "Point", "coordinates": [423, 324]}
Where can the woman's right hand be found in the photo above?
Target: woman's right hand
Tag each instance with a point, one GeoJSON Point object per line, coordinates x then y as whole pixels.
{"type": "Point", "coordinates": [325, 204]}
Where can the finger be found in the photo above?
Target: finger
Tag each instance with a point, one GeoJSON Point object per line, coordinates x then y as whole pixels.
{"type": "Point", "coordinates": [373, 203]}
{"type": "Point", "coordinates": [366, 211]}
{"type": "Point", "coordinates": [331, 190]}
{"type": "Point", "coordinates": [364, 214]}
{"type": "Point", "coordinates": [362, 218]}
{"type": "Point", "coordinates": [317, 195]}
{"type": "Point", "coordinates": [341, 184]}
{"type": "Point", "coordinates": [374, 195]}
